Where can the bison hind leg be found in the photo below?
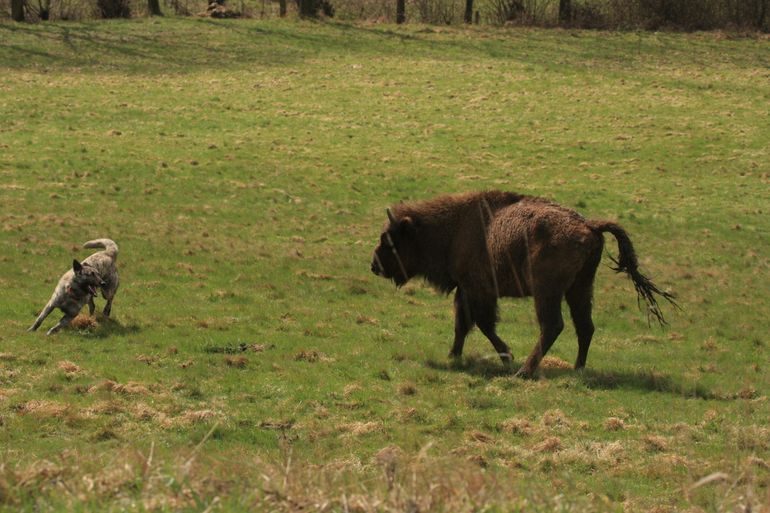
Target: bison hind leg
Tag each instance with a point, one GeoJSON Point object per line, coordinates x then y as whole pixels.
{"type": "Point", "coordinates": [579, 297]}
{"type": "Point", "coordinates": [579, 301]}
{"type": "Point", "coordinates": [548, 309]}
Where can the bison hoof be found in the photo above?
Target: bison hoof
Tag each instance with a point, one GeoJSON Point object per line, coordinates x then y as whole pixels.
{"type": "Point", "coordinates": [525, 373]}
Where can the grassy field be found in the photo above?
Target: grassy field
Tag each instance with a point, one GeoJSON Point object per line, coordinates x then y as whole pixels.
{"type": "Point", "coordinates": [254, 363]}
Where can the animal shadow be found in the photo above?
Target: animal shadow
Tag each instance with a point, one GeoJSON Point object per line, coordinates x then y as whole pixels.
{"type": "Point", "coordinates": [103, 327]}
{"type": "Point", "coordinates": [488, 367]}
{"type": "Point", "coordinates": [644, 380]}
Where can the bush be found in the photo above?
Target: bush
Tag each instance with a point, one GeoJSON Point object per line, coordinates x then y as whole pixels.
{"type": "Point", "coordinates": [113, 8]}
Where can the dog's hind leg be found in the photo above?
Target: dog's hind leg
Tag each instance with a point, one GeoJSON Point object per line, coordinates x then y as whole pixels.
{"type": "Point", "coordinates": [40, 318]}
{"type": "Point", "coordinates": [109, 297]}
{"type": "Point", "coordinates": [107, 308]}
{"type": "Point", "coordinates": [59, 325]}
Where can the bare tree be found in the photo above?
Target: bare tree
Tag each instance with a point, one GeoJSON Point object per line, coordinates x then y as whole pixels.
{"type": "Point", "coordinates": [400, 11]}
{"type": "Point", "coordinates": [307, 9]}
{"type": "Point", "coordinates": [17, 10]}
{"type": "Point", "coordinates": [153, 6]}
{"type": "Point", "coordinates": [565, 12]}
{"type": "Point", "coordinates": [468, 11]}
{"type": "Point", "coordinates": [282, 7]}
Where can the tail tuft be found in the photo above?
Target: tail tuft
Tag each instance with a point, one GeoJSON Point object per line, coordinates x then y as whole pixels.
{"type": "Point", "coordinates": [627, 263]}
{"type": "Point", "coordinates": [108, 245]}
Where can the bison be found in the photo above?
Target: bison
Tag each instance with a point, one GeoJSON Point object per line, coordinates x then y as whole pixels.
{"type": "Point", "coordinates": [494, 244]}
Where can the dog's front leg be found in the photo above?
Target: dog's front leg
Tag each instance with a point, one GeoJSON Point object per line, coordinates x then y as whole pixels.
{"type": "Point", "coordinates": [62, 323]}
{"type": "Point", "coordinates": [40, 318]}
{"type": "Point", "coordinates": [91, 305]}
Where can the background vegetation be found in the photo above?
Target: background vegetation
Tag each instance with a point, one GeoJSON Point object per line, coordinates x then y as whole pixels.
{"type": "Point", "coordinates": [254, 362]}
{"type": "Point", "coordinates": [689, 15]}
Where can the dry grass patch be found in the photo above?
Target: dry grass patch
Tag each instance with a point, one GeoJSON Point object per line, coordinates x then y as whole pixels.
{"type": "Point", "coordinates": [105, 408]}
{"type": "Point", "coordinates": [130, 388]}
{"type": "Point", "coordinates": [553, 362]}
{"type": "Point", "coordinates": [409, 415]}
{"type": "Point", "coordinates": [83, 322]}
{"type": "Point", "coordinates": [351, 388]}
{"type": "Point", "coordinates": [556, 420]}
{"type": "Point", "coordinates": [197, 416]}
{"type": "Point", "coordinates": [360, 428]}
{"type": "Point", "coordinates": [68, 367]}
{"type": "Point", "coordinates": [7, 357]}
{"type": "Point", "coordinates": [238, 362]}
{"type": "Point", "coordinates": [480, 437]}
{"type": "Point", "coordinates": [43, 409]}
{"type": "Point", "coordinates": [5, 393]}
{"type": "Point", "coordinates": [144, 412]}
{"type": "Point", "coordinates": [752, 438]}
{"type": "Point", "coordinates": [311, 356]}
{"type": "Point", "coordinates": [614, 424]}
{"type": "Point", "coordinates": [149, 360]}
{"type": "Point", "coordinates": [594, 454]}
{"type": "Point", "coordinates": [516, 426]}
{"type": "Point", "coordinates": [550, 444]}
{"type": "Point", "coordinates": [655, 443]}
{"type": "Point", "coordinates": [407, 389]}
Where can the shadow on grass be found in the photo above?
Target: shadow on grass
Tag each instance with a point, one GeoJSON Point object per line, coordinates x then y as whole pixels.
{"type": "Point", "coordinates": [140, 47]}
{"type": "Point", "coordinates": [107, 327]}
{"type": "Point", "coordinates": [643, 380]}
{"type": "Point", "coordinates": [474, 365]}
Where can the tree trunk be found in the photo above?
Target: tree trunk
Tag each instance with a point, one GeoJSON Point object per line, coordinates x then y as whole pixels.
{"type": "Point", "coordinates": [400, 11]}
{"type": "Point", "coordinates": [307, 9]}
{"type": "Point", "coordinates": [153, 6]}
{"type": "Point", "coordinates": [468, 11]}
{"type": "Point", "coordinates": [17, 10]}
{"type": "Point", "coordinates": [282, 7]}
{"type": "Point", "coordinates": [565, 12]}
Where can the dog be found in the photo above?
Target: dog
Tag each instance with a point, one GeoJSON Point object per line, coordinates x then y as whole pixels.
{"type": "Point", "coordinates": [78, 285]}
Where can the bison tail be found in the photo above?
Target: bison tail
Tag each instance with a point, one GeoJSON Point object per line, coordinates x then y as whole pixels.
{"type": "Point", "coordinates": [645, 289]}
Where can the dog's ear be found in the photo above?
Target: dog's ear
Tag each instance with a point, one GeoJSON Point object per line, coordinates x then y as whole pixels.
{"type": "Point", "coordinates": [76, 266]}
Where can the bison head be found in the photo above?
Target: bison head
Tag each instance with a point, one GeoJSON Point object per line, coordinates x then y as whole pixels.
{"type": "Point", "coordinates": [395, 255]}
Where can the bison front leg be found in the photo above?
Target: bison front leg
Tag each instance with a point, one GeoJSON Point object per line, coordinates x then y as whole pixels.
{"type": "Point", "coordinates": [463, 323]}
{"type": "Point", "coordinates": [548, 309]}
{"type": "Point", "coordinates": [485, 315]}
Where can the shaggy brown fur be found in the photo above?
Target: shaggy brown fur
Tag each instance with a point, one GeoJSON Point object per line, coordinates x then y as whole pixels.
{"type": "Point", "coordinates": [496, 244]}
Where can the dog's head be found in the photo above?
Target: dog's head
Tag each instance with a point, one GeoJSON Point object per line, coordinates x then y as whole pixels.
{"type": "Point", "coordinates": [86, 279]}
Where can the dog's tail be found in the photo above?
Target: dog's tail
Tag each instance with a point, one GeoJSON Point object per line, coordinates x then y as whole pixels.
{"type": "Point", "coordinates": [108, 245]}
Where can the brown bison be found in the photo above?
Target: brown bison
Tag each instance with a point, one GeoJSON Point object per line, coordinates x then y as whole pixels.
{"type": "Point", "coordinates": [496, 244]}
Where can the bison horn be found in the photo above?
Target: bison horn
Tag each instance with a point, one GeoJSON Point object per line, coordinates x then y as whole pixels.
{"type": "Point", "coordinates": [390, 216]}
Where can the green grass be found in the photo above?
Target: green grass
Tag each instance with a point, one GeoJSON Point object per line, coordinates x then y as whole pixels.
{"type": "Point", "coordinates": [244, 169]}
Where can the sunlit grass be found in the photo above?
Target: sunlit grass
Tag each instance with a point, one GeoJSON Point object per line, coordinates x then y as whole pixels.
{"type": "Point", "coordinates": [244, 169]}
